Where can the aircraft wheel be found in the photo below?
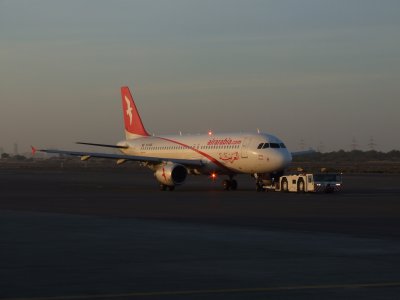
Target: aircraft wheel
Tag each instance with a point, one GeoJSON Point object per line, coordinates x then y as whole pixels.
{"type": "Point", "coordinates": [171, 188]}
{"type": "Point", "coordinates": [234, 185]}
{"type": "Point", "coordinates": [260, 186]}
{"type": "Point", "coordinates": [226, 184]}
{"type": "Point", "coordinates": [163, 187]}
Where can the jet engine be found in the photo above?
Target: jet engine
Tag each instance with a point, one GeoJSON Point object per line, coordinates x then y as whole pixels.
{"type": "Point", "coordinates": [171, 174]}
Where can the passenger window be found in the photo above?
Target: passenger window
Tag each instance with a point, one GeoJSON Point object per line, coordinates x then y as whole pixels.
{"type": "Point", "coordinates": [266, 145]}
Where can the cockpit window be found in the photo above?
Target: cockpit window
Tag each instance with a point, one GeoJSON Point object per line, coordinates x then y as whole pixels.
{"type": "Point", "coordinates": [266, 145]}
{"type": "Point", "coordinates": [274, 145]}
{"type": "Point", "coordinates": [282, 145]}
{"type": "Point", "coordinates": [260, 146]}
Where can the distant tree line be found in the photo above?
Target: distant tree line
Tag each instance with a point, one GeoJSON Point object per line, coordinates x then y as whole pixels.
{"type": "Point", "coordinates": [13, 157]}
{"type": "Point", "coordinates": [350, 156]}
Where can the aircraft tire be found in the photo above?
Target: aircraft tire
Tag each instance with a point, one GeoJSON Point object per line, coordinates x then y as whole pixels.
{"type": "Point", "coordinates": [259, 186]}
{"type": "Point", "coordinates": [226, 184]}
{"type": "Point", "coordinates": [233, 184]}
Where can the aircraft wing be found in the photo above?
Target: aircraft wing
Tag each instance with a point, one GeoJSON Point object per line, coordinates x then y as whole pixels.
{"type": "Point", "coordinates": [122, 157]}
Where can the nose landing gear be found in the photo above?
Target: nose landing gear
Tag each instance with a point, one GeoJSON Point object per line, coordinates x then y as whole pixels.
{"type": "Point", "coordinates": [259, 182]}
{"type": "Point", "coordinates": [263, 179]}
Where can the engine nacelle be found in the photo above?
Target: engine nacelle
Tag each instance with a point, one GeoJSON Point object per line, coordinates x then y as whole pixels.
{"type": "Point", "coordinates": [171, 174]}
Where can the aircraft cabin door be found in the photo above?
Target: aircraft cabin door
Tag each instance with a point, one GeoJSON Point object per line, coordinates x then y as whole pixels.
{"type": "Point", "coordinates": [245, 147]}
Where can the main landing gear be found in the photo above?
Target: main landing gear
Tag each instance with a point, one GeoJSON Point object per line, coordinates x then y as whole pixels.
{"type": "Point", "coordinates": [263, 179]}
{"type": "Point", "coordinates": [230, 184]}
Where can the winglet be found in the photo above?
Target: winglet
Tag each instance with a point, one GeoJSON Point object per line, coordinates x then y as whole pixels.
{"type": "Point", "coordinates": [33, 150]}
{"type": "Point", "coordinates": [133, 123]}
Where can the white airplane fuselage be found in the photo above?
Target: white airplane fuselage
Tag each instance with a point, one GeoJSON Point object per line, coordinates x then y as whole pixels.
{"type": "Point", "coordinates": [220, 153]}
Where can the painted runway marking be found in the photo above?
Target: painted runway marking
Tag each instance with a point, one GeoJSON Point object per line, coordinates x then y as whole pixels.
{"type": "Point", "coordinates": [218, 291]}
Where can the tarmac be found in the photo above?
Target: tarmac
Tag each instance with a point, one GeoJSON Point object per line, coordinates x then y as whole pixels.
{"type": "Point", "coordinates": [82, 233]}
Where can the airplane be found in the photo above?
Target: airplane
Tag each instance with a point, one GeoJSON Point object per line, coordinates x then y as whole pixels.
{"type": "Point", "coordinates": [173, 157]}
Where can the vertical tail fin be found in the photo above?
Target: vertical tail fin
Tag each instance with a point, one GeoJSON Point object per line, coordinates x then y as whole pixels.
{"type": "Point", "coordinates": [133, 123]}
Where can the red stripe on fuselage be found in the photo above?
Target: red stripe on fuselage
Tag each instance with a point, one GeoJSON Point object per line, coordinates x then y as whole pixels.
{"type": "Point", "coordinates": [212, 159]}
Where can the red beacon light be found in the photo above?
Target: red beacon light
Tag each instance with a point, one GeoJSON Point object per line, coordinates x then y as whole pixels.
{"type": "Point", "coordinates": [210, 132]}
{"type": "Point", "coordinates": [213, 176]}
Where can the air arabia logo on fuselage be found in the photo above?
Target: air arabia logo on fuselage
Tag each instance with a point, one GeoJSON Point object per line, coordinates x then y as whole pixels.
{"type": "Point", "coordinates": [128, 109]}
{"type": "Point", "coordinates": [229, 157]}
{"type": "Point", "coordinates": [226, 141]}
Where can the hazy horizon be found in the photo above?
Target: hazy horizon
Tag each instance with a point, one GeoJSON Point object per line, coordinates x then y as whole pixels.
{"type": "Point", "coordinates": [321, 72]}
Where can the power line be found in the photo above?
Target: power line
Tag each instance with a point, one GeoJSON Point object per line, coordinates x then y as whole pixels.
{"type": "Point", "coordinates": [371, 145]}
{"type": "Point", "coordinates": [302, 144]}
{"type": "Point", "coordinates": [354, 144]}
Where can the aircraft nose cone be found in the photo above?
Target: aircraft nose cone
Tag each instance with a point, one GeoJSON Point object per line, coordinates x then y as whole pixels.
{"type": "Point", "coordinates": [287, 158]}
{"type": "Point", "coordinates": [280, 159]}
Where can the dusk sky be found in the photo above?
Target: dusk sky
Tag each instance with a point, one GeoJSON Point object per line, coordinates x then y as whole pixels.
{"type": "Point", "coordinates": [320, 71]}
